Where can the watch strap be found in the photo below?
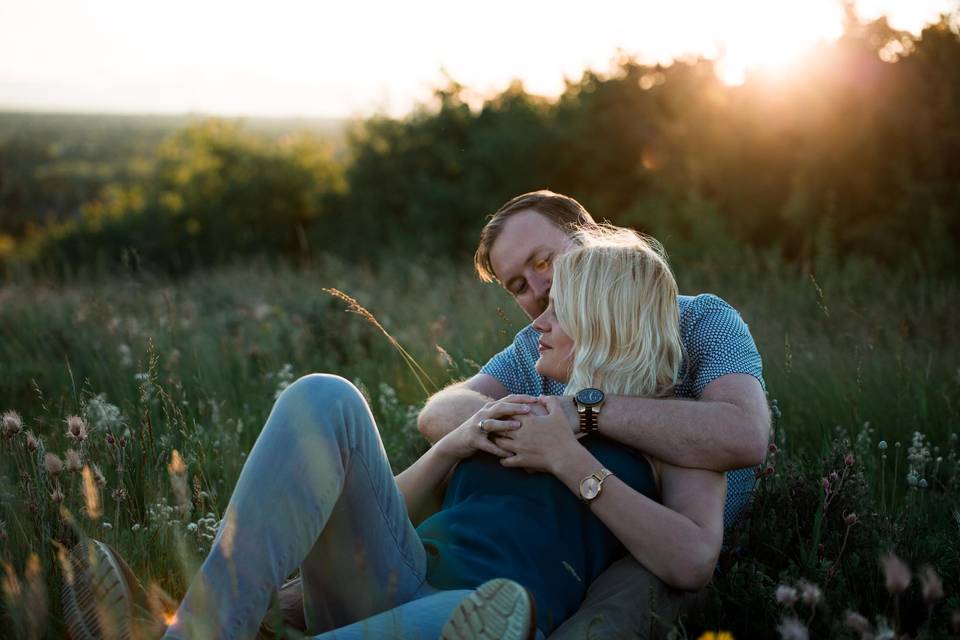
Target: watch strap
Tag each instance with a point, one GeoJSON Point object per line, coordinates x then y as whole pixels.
{"type": "Point", "coordinates": [588, 420]}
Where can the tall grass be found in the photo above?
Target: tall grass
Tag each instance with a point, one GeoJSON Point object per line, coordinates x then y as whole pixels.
{"type": "Point", "coordinates": [154, 367]}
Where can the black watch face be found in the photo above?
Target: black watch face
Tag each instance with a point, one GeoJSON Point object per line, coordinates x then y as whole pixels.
{"type": "Point", "coordinates": [590, 397]}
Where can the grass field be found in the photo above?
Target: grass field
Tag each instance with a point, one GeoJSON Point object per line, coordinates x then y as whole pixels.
{"type": "Point", "coordinates": [852, 356]}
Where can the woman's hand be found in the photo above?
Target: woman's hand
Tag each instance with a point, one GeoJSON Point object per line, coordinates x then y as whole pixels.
{"type": "Point", "coordinates": [543, 441]}
{"type": "Point", "coordinates": [496, 419]}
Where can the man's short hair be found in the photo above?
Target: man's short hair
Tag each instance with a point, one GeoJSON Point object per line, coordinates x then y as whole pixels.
{"type": "Point", "coordinates": [563, 211]}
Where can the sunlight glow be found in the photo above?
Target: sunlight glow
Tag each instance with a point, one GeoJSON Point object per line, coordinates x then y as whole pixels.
{"type": "Point", "coordinates": [768, 36]}
{"type": "Point", "coordinates": [294, 57]}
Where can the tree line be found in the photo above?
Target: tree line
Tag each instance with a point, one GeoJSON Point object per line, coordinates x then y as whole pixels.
{"type": "Point", "coordinates": [852, 153]}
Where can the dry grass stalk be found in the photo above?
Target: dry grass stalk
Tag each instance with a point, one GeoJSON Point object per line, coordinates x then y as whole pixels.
{"type": "Point", "coordinates": [422, 377]}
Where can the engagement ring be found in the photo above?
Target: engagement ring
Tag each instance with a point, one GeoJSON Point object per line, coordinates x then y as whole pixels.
{"type": "Point", "coordinates": [483, 429]}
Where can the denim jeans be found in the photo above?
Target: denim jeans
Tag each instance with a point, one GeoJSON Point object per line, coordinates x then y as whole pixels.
{"type": "Point", "coordinates": [317, 492]}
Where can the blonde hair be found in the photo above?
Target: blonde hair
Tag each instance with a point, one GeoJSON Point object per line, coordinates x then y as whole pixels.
{"type": "Point", "coordinates": [616, 298]}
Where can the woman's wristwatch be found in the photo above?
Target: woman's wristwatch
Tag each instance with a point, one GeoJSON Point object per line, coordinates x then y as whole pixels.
{"type": "Point", "coordinates": [592, 485]}
{"type": "Point", "coordinates": [588, 403]}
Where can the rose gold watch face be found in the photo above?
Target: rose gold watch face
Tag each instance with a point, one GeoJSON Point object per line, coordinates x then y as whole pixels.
{"type": "Point", "coordinates": [589, 488]}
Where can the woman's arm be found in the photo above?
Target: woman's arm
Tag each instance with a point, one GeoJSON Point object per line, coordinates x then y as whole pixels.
{"type": "Point", "coordinates": [422, 482]}
{"type": "Point", "coordinates": [679, 540]}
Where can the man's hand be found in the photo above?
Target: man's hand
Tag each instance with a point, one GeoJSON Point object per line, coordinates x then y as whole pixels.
{"type": "Point", "coordinates": [543, 441]}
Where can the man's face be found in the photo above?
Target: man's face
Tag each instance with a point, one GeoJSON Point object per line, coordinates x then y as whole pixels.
{"type": "Point", "coordinates": [522, 258]}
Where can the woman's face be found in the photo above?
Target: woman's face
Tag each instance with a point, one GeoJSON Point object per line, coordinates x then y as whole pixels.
{"type": "Point", "coordinates": [556, 347]}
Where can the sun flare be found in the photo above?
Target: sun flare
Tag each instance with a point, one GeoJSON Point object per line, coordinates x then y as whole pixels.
{"type": "Point", "coordinates": [769, 36]}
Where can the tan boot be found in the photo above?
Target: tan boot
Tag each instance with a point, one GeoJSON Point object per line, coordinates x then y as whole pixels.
{"type": "Point", "coordinates": [499, 609]}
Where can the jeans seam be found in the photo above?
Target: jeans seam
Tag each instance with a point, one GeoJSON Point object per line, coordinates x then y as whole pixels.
{"type": "Point", "coordinates": [390, 525]}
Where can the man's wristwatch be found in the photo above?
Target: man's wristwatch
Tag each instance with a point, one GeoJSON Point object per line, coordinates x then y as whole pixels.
{"type": "Point", "coordinates": [592, 485]}
{"type": "Point", "coordinates": [588, 403]}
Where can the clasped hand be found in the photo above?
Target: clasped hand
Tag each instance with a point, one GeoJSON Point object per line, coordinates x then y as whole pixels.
{"type": "Point", "coordinates": [498, 417]}
{"type": "Point", "coordinates": [543, 439]}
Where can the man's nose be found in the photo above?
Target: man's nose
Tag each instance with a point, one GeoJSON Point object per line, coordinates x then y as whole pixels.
{"type": "Point", "coordinates": [541, 288]}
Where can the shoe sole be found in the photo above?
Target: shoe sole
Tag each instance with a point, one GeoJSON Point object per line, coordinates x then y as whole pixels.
{"type": "Point", "coordinates": [499, 609]}
{"type": "Point", "coordinates": [100, 603]}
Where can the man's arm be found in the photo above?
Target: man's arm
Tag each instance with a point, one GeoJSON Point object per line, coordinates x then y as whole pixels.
{"type": "Point", "coordinates": [727, 428]}
{"type": "Point", "coordinates": [449, 407]}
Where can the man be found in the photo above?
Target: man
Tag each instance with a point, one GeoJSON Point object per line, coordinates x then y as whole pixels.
{"type": "Point", "coordinates": [718, 419]}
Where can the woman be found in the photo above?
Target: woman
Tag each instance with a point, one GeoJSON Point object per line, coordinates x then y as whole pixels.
{"type": "Point", "coordinates": [317, 490]}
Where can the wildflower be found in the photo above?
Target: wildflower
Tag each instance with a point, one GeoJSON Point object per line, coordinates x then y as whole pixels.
{"type": "Point", "coordinates": [882, 445]}
{"type": "Point", "coordinates": [110, 439]}
{"type": "Point", "coordinates": [825, 483]}
{"type": "Point", "coordinates": [135, 527]}
{"type": "Point", "coordinates": [126, 356]}
{"type": "Point", "coordinates": [834, 476]}
{"type": "Point", "coordinates": [793, 629]}
{"type": "Point", "coordinates": [119, 494]}
{"type": "Point", "coordinates": [857, 622]}
{"type": "Point", "coordinates": [32, 443]}
{"type": "Point", "coordinates": [848, 460]}
{"type": "Point", "coordinates": [192, 527]}
{"type": "Point", "coordinates": [772, 448]}
{"type": "Point", "coordinates": [931, 584]}
{"type": "Point", "coordinates": [57, 496]}
{"type": "Point", "coordinates": [12, 424]}
{"type": "Point", "coordinates": [912, 478]}
{"type": "Point", "coordinates": [922, 483]}
{"type": "Point", "coordinates": [53, 464]}
{"type": "Point", "coordinates": [810, 593]}
{"type": "Point", "coordinates": [769, 470]}
{"type": "Point", "coordinates": [850, 519]}
{"type": "Point", "coordinates": [73, 462]}
{"type": "Point", "coordinates": [76, 428]}
{"type": "Point", "coordinates": [101, 415]}
{"type": "Point", "coordinates": [775, 410]}
{"type": "Point", "coordinates": [897, 573]}
{"type": "Point", "coordinates": [122, 442]}
{"type": "Point", "coordinates": [786, 595]}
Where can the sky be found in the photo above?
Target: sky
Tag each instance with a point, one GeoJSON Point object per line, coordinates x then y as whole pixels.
{"type": "Point", "coordinates": [347, 58]}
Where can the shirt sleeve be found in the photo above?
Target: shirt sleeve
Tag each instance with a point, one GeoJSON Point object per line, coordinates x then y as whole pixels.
{"type": "Point", "coordinates": [513, 368]}
{"type": "Point", "coordinates": [720, 343]}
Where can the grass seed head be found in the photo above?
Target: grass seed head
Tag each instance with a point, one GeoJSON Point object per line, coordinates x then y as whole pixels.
{"type": "Point", "coordinates": [53, 464]}
{"type": "Point", "coordinates": [793, 629]}
{"type": "Point", "coordinates": [76, 428]}
{"type": "Point", "coordinates": [786, 595]}
{"type": "Point", "coordinates": [72, 460]}
{"type": "Point", "coordinates": [810, 593]}
{"type": "Point", "coordinates": [12, 424]}
{"type": "Point", "coordinates": [857, 622]}
{"type": "Point", "coordinates": [98, 476]}
{"type": "Point", "coordinates": [931, 585]}
{"type": "Point", "coordinates": [91, 496]}
{"type": "Point", "coordinates": [897, 573]}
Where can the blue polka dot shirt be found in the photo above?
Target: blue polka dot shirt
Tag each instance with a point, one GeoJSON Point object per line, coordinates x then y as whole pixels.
{"type": "Point", "coordinates": [716, 342]}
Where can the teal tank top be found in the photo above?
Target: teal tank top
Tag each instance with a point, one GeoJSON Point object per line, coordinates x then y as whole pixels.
{"type": "Point", "coordinates": [497, 522]}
